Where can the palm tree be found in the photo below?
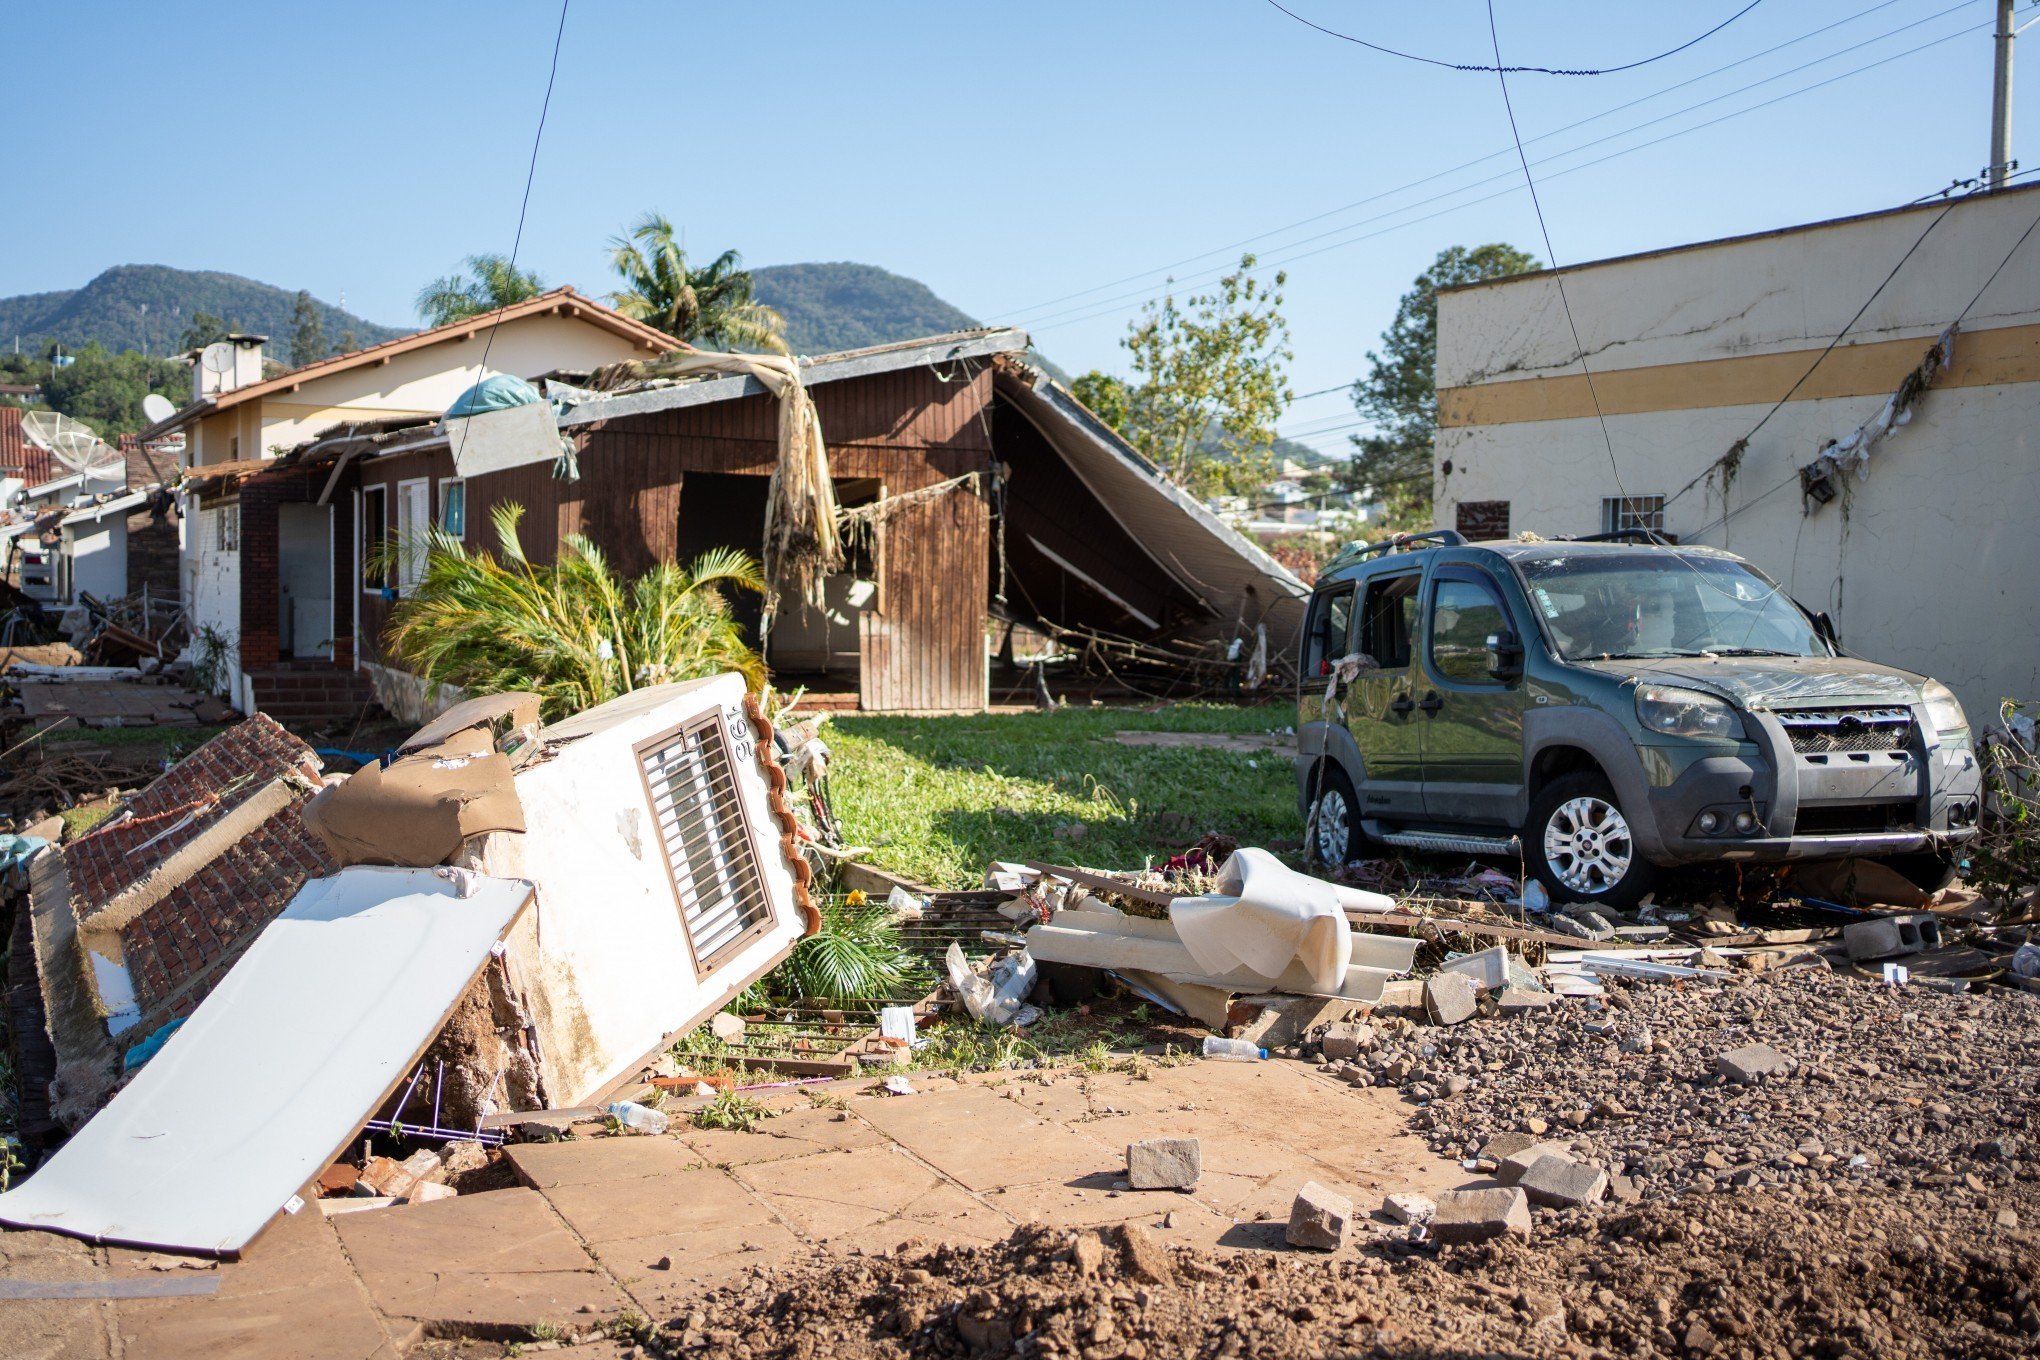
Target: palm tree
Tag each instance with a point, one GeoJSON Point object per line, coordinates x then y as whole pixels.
{"type": "Point", "coordinates": [712, 305]}
{"type": "Point", "coordinates": [491, 281]}
{"type": "Point", "coordinates": [573, 633]}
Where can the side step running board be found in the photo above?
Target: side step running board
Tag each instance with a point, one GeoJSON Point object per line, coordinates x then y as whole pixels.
{"type": "Point", "coordinates": [1443, 842]}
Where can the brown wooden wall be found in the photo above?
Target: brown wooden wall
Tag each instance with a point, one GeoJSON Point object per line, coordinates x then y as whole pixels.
{"type": "Point", "coordinates": [908, 429]}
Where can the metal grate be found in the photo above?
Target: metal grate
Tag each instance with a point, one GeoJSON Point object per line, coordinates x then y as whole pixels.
{"type": "Point", "coordinates": [1819, 731]}
{"type": "Point", "coordinates": [716, 875]}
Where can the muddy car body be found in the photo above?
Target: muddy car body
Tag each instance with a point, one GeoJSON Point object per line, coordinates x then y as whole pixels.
{"type": "Point", "coordinates": [1610, 708]}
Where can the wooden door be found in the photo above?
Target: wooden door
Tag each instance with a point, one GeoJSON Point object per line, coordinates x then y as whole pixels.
{"type": "Point", "coordinates": [921, 646]}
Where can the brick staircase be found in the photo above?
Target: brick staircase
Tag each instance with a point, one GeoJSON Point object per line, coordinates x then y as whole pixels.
{"type": "Point", "coordinates": [311, 692]}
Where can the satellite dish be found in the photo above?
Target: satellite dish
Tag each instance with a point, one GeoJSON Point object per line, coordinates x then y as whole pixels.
{"type": "Point", "coordinates": [72, 443]}
{"type": "Point", "coordinates": [217, 358]}
{"type": "Point", "coordinates": [157, 408]}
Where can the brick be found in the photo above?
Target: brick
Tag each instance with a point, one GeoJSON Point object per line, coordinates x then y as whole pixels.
{"type": "Point", "coordinates": [1406, 1206]}
{"type": "Point", "coordinates": [1481, 1215]}
{"type": "Point", "coordinates": [1562, 1183]}
{"type": "Point", "coordinates": [1515, 1164]}
{"type": "Point", "coordinates": [1318, 1218]}
{"type": "Point", "coordinates": [1450, 998]}
{"type": "Point", "coordinates": [1164, 1163]}
{"type": "Point", "coordinates": [1885, 937]}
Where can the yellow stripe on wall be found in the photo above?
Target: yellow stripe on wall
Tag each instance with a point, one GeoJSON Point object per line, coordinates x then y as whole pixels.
{"type": "Point", "coordinates": [2009, 354]}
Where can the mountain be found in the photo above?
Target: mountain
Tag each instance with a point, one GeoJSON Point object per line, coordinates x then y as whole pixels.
{"type": "Point", "coordinates": [147, 306]}
{"type": "Point", "coordinates": [831, 307]}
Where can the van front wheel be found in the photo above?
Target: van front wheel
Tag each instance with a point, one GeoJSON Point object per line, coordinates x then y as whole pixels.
{"type": "Point", "coordinates": [1331, 834]}
{"type": "Point", "coordinates": [1580, 846]}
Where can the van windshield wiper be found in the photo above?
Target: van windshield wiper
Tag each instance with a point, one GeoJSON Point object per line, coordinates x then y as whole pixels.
{"type": "Point", "coordinates": [1642, 656]}
{"type": "Point", "coordinates": [1751, 651]}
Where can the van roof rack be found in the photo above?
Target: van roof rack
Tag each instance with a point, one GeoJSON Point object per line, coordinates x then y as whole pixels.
{"type": "Point", "coordinates": [1444, 538]}
{"type": "Point", "coordinates": [1649, 536]}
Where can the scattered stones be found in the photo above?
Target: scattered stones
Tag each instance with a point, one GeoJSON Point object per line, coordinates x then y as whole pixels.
{"type": "Point", "coordinates": [1480, 1215]}
{"type": "Point", "coordinates": [1751, 1062]}
{"type": "Point", "coordinates": [1406, 1206]}
{"type": "Point", "coordinates": [1089, 1253]}
{"type": "Point", "coordinates": [1562, 1183]}
{"type": "Point", "coordinates": [1164, 1164]}
{"type": "Point", "coordinates": [1347, 1040]}
{"type": "Point", "coordinates": [1317, 1220]}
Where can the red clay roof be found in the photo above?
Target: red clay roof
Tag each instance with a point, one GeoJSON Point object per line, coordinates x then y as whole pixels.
{"type": "Point", "coordinates": [562, 300]}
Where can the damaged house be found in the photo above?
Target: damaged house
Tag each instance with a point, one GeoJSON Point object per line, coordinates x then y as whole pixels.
{"type": "Point", "coordinates": [978, 496]}
{"type": "Point", "coordinates": [530, 916]}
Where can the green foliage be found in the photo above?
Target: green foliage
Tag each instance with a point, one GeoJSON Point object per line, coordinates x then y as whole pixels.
{"type": "Point", "coordinates": [942, 797]}
{"type": "Point", "coordinates": [1212, 363]}
{"type": "Point", "coordinates": [730, 1110]}
{"type": "Point", "coordinates": [2004, 861]}
{"type": "Point", "coordinates": [490, 282]}
{"type": "Point", "coordinates": [574, 632]}
{"type": "Point", "coordinates": [1400, 392]}
{"type": "Point", "coordinates": [205, 329]}
{"type": "Point", "coordinates": [831, 307]}
{"type": "Point", "coordinates": [307, 333]}
{"type": "Point", "coordinates": [103, 390]}
{"type": "Point", "coordinates": [856, 953]}
{"type": "Point", "coordinates": [153, 308]}
{"type": "Point", "coordinates": [713, 306]}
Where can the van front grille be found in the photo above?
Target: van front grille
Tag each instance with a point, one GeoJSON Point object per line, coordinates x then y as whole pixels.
{"type": "Point", "coordinates": [1820, 731]}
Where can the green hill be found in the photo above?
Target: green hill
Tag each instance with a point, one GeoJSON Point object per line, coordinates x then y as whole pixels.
{"type": "Point", "coordinates": [147, 306]}
{"type": "Point", "coordinates": [831, 307]}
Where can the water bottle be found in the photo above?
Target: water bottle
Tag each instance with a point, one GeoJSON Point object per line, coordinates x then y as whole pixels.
{"type": "Point", "coordinates": [1233, 1050]}
{"type": "Point", "coordinates": [2026, 962]}
{"type": "Point", "coordinates": [638, 1118]}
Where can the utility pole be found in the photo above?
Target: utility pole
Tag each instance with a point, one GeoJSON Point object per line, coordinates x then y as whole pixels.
{"type": "Point", "coordinates": [2001, 101]}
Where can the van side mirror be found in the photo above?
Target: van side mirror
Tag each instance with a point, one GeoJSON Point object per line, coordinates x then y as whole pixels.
{"type": "Point", "coordinates": [1505, 656]}
{"type": "Point", "coordinates": [1824, 629]}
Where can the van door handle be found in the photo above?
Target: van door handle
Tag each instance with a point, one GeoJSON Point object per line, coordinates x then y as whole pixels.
{"type": "Point", "coordinates": [1402, 704]}
{"type": "Point", "coordinates": [1432, 703]}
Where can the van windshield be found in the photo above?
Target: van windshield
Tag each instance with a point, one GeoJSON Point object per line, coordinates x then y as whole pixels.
{"type": "Point", "coordinates": [1621, 605]}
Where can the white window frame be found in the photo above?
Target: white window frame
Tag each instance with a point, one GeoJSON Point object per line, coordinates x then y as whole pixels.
{"type": "Point", "coordinates": [1632, 512]}
{"type": "Point", "coordinates": [412, 539]}
{"type": "Point", "coordinates": [447, 487]}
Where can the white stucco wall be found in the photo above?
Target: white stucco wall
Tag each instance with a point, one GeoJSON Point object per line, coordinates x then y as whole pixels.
{"type": "Point", "coordinates": [212, 591]}
{"type": "Point", "coordinates": [1926, 564]}
{"type": "Point", "coordinates": [612, 977]}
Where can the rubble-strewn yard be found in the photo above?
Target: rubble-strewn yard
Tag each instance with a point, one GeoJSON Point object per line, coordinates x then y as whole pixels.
{"type": "Point", "coordinates": [938, 798]}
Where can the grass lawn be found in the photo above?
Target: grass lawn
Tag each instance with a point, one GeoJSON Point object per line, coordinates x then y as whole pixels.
{"type": "Point", "coordinates": [938, 798]}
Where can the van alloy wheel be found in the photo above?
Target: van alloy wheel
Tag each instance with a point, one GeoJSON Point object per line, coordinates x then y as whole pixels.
{"type": "Point", "coordinates": [1331, 829]}
{"type": "Point", "coordinates": [1587, 844]}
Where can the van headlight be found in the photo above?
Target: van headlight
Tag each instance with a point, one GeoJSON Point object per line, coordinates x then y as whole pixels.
{"type": "Point", "coordinates": [1944, 711]}
{"type": "Point", "coordinates": [1686, 713]}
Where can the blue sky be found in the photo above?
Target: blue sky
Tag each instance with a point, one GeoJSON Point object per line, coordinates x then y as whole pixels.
{"type": "Point", "coordinates": [1008, 155]}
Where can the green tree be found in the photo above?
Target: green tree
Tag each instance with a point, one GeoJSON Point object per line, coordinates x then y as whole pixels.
{"type": "Point", "coordinates": [1209, 384]}
{"type": "Point", "coordinates": [106, 390]}
{"type": "Point", "coordinates": [713, 305]}
{"type": "Point", "coordinates": [491, 281]}
{"type": "Point", "coordinates": [1392, 465]}
{"type": "Point", "coordinates": [307, 332]}
{"type": "Point", "coordinates": [204, 329]}
{"type": "Point", "coordinates": [574, 632]}
{"type": "Point", "coordinates": [348, 343]}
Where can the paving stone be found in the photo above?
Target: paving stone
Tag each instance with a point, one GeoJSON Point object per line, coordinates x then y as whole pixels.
{"type": "Point", "coordinates": [1516, 1000]}
{"type": "Point", "coordinates": [585, 1161]}
{"type": "Point", "coordinates": [500, 1260]}
{"type": "Point", "coordinates": [1478, 1215]}
{"type": "Point", "coordinates": [1406, 1206]}
{"type": "Point", "coordinates": [1164, 1163]}
{"type": "Point", "coordinates": [1347, 1039]}
{"type": "Point", "coordinates": [1507, 1143]}
{"type": "Point", "coordinates": [1562, 1183]}
{"type": "Point", "coordinates": [1275, 1020]}
{"type": "Point", "coordinates": [1751, 1062]}
{"type": "Point", "coordinates": [1510, 1169]}
{"type": "Point", "coordinates": [1318, 1217]}
{"type": "Point", "coordinates": [1450, 998]}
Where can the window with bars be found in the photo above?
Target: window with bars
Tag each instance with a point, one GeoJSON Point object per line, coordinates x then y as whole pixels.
{"type": "Point", "coordinates": [1632, 512]}
{"type": "Point", "coordinates": [691, 775]}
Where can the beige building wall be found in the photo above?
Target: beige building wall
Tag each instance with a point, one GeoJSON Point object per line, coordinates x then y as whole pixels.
{"type": "Point", "coordinates": [1930, 562]}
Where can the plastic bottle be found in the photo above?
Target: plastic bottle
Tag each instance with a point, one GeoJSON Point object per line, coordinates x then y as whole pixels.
{"type": "Point", "coordinates": [1232, 1050]}
{"type": "Point", "coordinates": [638, 1118]}
{"type": "Point", "coordinates": [2026, 962]}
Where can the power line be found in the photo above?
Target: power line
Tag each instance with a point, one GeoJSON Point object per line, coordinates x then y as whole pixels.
{"type": "Point", "coordinates": [1543, 136]}
{"type": "Point", "coordinates": [1106, 310]}
{"type": "Point", "coordinates": [1500, 69]}
{"type": "Point", "coordinates": [1557, 273]}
